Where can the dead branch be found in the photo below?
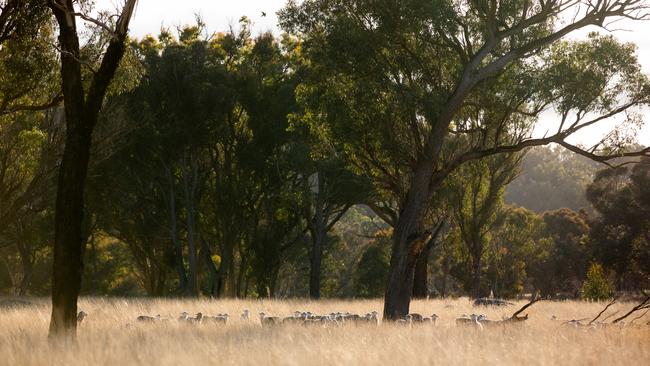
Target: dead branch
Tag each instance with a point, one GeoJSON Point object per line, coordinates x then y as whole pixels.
{"type": "Point", "coordinates": [645, 304]}
{"type": "Point", "coordinates": [640, 316]}
{"type": "Point", "coordinates": [535, 299]}
{"type": "Point", "coordinates": [610, 315]}
{"type": "Point", "coordinates": [603, 311]}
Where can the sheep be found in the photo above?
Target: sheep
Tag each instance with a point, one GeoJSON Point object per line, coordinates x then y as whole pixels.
{"type": "Point", "coordinates": [219, 318]}
{"type": "Point", "coordinates": [267, 320]}
{"type": "Point", "coordinates": [471, 320]}
{"type": "Point", "coordinates": [431, 319]}
{"type": "Point", "coordinates": [147, 318]}
{"type": "Point", "coordinates": [185, 317]}
{"type": "Point", "coordinates": [81, 316]}
{"type": "Point", "coordinates": [371, 317]}
{"type": "Point", "coordinates": [293, 320]}
{"type": "Point", "coordinates": [244, 315]}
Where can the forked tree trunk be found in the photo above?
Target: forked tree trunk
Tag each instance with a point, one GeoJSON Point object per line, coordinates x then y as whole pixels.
{"type": "Point", "coordinates": [81, 111]}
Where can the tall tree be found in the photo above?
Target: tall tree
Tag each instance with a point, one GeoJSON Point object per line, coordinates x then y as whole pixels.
{"type": "Point", "coordinates": [397, 79]}
{"type": "Point", "coordinates": [477, 195]}
{"type": "Point", "coordinates": [83, 102]}
{"type": "Point", "coordinates": [620, 230]}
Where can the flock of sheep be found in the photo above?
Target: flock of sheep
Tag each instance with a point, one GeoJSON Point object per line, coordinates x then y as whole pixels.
{"type": "Point", "coordinates": [307, 318]}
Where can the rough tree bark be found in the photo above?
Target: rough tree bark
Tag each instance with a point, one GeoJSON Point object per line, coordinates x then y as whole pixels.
{"type": "Point", "coordinates": [81, 111]}
{"type": "Point", "coordinates": [420, 282]}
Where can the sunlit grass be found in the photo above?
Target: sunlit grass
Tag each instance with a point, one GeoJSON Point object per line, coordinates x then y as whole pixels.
{"type": "Point", "coordinates": [111, 336]}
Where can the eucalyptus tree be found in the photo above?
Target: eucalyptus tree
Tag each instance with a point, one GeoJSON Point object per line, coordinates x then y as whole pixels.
{"type": "Point", "coordinates": [329, 189]}
{"type": "Point", "coordinates": [393, 82]}
{"type": "Point", "coordinates": [83, 101]}
{"type": "Point", "coordinates": [177, 111]}
{"type": "Point", "coordinates": [477, 197]}
{"type": "Point", "coordinates": [19, 18]}
{"type": "Point", "coordinates": [620, 230]}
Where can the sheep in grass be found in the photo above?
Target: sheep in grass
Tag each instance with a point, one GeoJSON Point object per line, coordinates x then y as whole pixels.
{"type": "Point", "coordinates": [471, 320]}
{"type": "Point", "coordinates": [197, 319]}
{"type": "Point", "coordinates": [293, 319]}
{"type": "Point", "coordinates": [147, 318]}
{"type": "Point", "coordinates": [245, 315]}
{"type": "Point", "coordinates": [431, 319]}
{"type": "Point", "coordinates": [268, 320]}
{"type": "Point", "coordinates": [371, 318]}
{"type": "Point", "coordinates": [219, 318]}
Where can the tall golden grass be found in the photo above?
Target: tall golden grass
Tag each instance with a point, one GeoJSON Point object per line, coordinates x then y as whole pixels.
{"type": "Point", "coordinates": [111, 336]}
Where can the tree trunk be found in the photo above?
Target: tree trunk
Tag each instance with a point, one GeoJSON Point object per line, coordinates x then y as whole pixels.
{"type": "Point", "coordinates": [227, 256]}
{"type": "Point", "coordinates": [406, 245]}
{"type": "Point", "coordinates": [178, 249]}
{"type": "Point", "coordinates": [28, 271]}
{"type": "Point", "coordinates": [476, 276]}
{"type": "Point", "coordinates": [241, 275]}
{"type": "Point", "coordinates": [316, 258]}
{"type": "Point", "coordinates": [214, 274]}
{"type": "Point", "coordinates": [193, 288]}
{"type": "Point", "coordinates": [68, 241]}
{"type": "Point", "coordinates": [81, 111]}
{"type": "Point", "coordinates": [421, 281]}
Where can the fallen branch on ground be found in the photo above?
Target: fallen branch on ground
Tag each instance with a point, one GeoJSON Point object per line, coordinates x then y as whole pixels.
{"type": "Point", "coordinates": [604, 310]}
{"type": "Point", "coordinates": [515, 316]}
{"type": "Point", "coordinates": [645, 304]}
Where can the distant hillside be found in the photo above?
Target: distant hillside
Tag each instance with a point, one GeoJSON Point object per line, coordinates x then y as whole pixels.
{"type": "Point", "coordinates": [552, 178]}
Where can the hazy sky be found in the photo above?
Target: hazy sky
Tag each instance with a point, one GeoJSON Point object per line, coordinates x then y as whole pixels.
{"type": "Point", "coordinates": [219, 15]}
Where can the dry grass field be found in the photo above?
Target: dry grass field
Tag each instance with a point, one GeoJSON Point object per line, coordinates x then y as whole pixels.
{"type": "Point", "coordinates": [111, 336]}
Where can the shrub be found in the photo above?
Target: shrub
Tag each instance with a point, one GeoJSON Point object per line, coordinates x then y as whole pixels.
{"type": "Point", "coordinates": [596, 286]}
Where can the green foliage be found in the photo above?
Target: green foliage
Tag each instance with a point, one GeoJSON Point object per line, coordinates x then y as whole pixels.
{"type": "Point", "coordinates": [596, 286]}
{"type": "Point", "coordinates": [372, 269]}
{"type": "Point", "coordinates": [619, 236]}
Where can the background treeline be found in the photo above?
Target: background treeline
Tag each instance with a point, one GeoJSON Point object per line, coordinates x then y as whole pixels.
{"type": "Point", "coordinates": [204, 181]}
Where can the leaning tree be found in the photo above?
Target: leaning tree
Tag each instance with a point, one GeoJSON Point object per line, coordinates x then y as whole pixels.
{"type": "Point", "coordinates": [414, 89]}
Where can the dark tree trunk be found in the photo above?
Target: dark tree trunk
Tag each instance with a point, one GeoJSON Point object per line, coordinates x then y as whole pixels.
{"type": "Point", "coordinates": [214, 274]}
{"type": "Point", "coordinates": [178, 248]}
{"type": "Point", "coordinates": [421, 280]}
{"type": "Point", "coordinates": [28, 271]}
{"type": "Point", "coordinates": [189, 185]}
{"type": "Point", "coordinates": [227, 257]}
{"type": "Point", "coordinates": [68, 240]}
{"type": "Point", "coordinates": [476, 276]}
{"type": "Point", "coordinates": [241, 276]}
{"type": "Point", "coordinates": [81, 116]}
{"type": "Point", "coordinates": [316, 259]}
{"type": "Point", "coordinates": [407, 245]}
